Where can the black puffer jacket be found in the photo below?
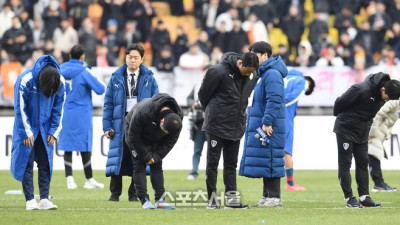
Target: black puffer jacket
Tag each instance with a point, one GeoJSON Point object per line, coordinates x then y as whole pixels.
{"type": "Point", "coordinates": [357, 107]}
{"type": "Point", "coordinates": [224, 95]}
{"type": "Point", "coordinates": [142, 128]}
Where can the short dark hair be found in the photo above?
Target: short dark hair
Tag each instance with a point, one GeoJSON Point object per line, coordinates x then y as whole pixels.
{"type": "Point", "coordinates": [250, 59]}
{"type": "Point", "coordinates": [49, 80]}
{"type": "Point", "coordinates": [136, 47]}
{"type": "Point", "coordinates": [77, 51]}
{"type": "Point", "coordinates": [311, 85]}
{"type": "Point", "coordinates": [261, 47]}
{"type": "Point", "coordinates": [172, 123]}
{"type": "Point", "coordinates": [392, 89]}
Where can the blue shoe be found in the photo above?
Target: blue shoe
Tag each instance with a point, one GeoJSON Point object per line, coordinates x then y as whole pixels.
{"type": "Point", "coordinates": [162, 204]}
{"type": "Point", "coordinates": [147, 205]}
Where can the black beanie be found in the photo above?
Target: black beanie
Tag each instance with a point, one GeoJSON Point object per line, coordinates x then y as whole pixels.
{"type": "Point", "coordinates": [172, 122]}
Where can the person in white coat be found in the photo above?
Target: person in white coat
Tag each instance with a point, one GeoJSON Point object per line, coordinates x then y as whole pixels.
{"type": "Point", "coordinates": [381, 130]}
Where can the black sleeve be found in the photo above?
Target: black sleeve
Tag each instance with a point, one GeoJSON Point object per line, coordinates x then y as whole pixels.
{"type": "Point", "coordinates": [209, 86]}
{"type": "Point", "coordinates": [348, 99]}
{"type": "Point", "coordinates": [165, 146]}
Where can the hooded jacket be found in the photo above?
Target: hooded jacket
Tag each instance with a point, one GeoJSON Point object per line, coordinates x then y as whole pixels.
{"type": "Point", "coordinates": [224, 96]}
{"type": "Point", "coordinates": [34, 114]}
{"type": "Point", "coordinates": [115, 109]}
{"type": "Point", "coordinates": [355, 109]}
{"type": "Point", "coordinates": [142, 128]}
{"type": "Point", "coordinates": [268, 108]}
{"type": "Point", "coordinates": [77, 132]}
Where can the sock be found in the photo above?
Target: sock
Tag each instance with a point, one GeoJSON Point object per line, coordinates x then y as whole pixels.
{"type": "Point", "coordinates": [362, 198]}
{"type": "Point", "coordinates": [289, 176]}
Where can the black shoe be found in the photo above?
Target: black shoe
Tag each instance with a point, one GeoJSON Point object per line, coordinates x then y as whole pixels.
{"type": "Point", "coordinates": [113, 199]}
{"type": "Point", "coordinates": [133, 199]}
{"type": "Point", "coordinates": [352, 203]}
{"type": "Point", "coordinates": [237, 206]}
{"type": "Point", "coordinates": [383, 187]}
{"type": "Point", "coordinates": [369, 203]}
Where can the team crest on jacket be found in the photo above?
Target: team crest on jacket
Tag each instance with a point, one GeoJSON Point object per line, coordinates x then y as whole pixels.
{"type": "Point", "coordinates": [213, 143]}
{"type": "Point", "coordinates": [346, 146]}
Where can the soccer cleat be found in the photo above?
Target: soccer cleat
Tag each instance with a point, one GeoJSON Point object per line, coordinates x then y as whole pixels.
{"type": "Point", "coordinates": [261, 202]}
{"type": "Point", "coordinates": [162, 204]}
{"type": "Point", "coordinates": [113, 199]}
{"type": "Point", "coordinates": [383, 188]}
{"type": "Point", "coordinates": [294, 187]}
{"type": "Point", "coordinates": [46, 204]}
{"type": "Point", "coordinates": [32, 205]}
{"type": "Point", "coordinates": [369, 203]}
{"type": "Point", "coordinates": [147, 205]}
{"type": "Point", "coordinates": [272, 202]}
{"type": "Point", "coordinates": [71, 183]}
{"type": "Point", "coordinates": [91, 183]}
{"type": "Point", "coordinates": [234, 203]}
{"type": "Point", "coordinates": [191, 177]}
{"type": "Point", "coordinates": [352, 203]}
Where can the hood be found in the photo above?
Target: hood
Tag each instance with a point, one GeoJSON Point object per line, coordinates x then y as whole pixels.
{"type": "Point", "coordinates": [374, 81]}
{"type": "Point", "coordinates": [72, 68]}
{"type": "Point", "coordinates": [295, 73]}
{"type": "Point", "coordinates": [161, 99]}
{"type": "Point", "coordinates": [307, 46]}
{"type": "Point", "coordinates": [43, 61]}
{"type": "Point", "coordinates": [229, 59]}
{"type": "Point", "coordinates": [274, 63]}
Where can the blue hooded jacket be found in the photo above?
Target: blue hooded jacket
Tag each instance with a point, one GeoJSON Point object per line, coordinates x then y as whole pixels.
{"type": "Point", "coordinates": [268, 107]}
{"type": "Point", "coordinates": [35, 113]}
{"type": "Point", "coordinates": [77, 132]}
{"type": "Point", "coordinates": [115, 109]}
{"type": "Point", "coordinates": [295, 86]}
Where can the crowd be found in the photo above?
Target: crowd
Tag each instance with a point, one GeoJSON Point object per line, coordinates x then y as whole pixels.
{"type": "Point", "coordinates": [368, 32]}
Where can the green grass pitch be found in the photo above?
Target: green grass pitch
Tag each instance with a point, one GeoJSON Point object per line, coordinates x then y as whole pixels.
{"type": "Point", "coordinates": [322, 203]}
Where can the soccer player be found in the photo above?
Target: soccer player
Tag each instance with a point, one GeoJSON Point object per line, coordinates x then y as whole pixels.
{"type": "Point", "coordinates": [77, 132]}
{"type": "Point", "coordinates": [296, 84]}
{"type": "Point", "coordinates": [39, 96]}
{"type": "Point", "coordinates": [354, 111]}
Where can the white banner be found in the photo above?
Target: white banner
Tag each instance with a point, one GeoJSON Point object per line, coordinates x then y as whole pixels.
{"type": "Point", "coordinates": [314, 148]}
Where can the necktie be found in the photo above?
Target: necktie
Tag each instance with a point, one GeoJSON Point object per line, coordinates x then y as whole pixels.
{"type": "Point", "coordinates": [132, 83]}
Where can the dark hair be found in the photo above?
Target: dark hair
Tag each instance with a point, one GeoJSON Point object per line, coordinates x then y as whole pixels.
{"type": "Point", "coordinates": [49, 80]}
{"type": "Point", "coordinates": [136, 47]}
{"type": "Point", "coordinates": [392, 89]}
{"type": "Point", "coordinates": [250, 59]}
{"type": "Point", "coordinates": [261, 47]}
{"type": "Point", "coordinates": [311, 85]}
{"type": "Point", "coordinates": [77, 51]}
{"type": "Point", "coordinates": [172, 123]}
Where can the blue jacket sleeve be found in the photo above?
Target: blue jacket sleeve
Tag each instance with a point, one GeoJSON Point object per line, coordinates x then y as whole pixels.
{"type": "Point", "coordinates": [108, 107]}
{"type": "Point", "coordinates": [294, 91]}
{"type": "Point", "coordinates": [93, 83]}
{"type": "Point", "coordinates": [20, 107]}
{"type": "Point", "coordinates": [155, 87]}
{"type": "Point", "coordinates": [57, 110]}
{"type": "Point", "coordinates": [274, 92]}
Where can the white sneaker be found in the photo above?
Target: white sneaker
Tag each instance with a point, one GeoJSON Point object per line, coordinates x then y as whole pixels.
{"type": "Point", "coordinates": [46, 204]}
{"type": "Point", "coordinates": [92, 184]}
{"type": "Point", "coordinates": [71, 183]}
{"type": "Point", "coordinates": [261, 202]}
{"type": "Point", "coordinates": [32, 205]}
{"type": "Point", "coordinates": [272, 202]}
{"type": "Point", "coordinates": [191, 177]}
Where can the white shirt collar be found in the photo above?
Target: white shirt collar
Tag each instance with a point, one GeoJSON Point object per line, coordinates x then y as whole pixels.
{"type": "Point", "coordinates": [135, 72]}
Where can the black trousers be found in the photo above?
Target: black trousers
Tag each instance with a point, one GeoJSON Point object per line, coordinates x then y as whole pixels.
{"type": "Point", "coordinates": [140, 180]}
{"type": "Point", "coordinates": [86, 162]}
{"type": "Point", "coordinates": [215, 146]}
{"type": "Point", "coordinates": [272, 187]}
{"type": "Point", "coordinates": [375, 170]}
{"type": "Point", "coordinates": [346, 150]}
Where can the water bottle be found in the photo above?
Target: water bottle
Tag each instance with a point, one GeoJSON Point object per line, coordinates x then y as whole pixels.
{"type": "Point", "coordinates": [13, 192]}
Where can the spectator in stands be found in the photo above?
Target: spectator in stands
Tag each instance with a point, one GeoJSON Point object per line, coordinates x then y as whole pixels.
{"type": "Point", "coordinates": [199, 11]}
{"type": "Point", "coordinates": [143, 14]}
{"type": "Point", "coordinates": [87, 37]}
{"type": "Point", "coordinates": [394, 12]}
{"type": "Point", "coordinates": [193, 59]}
{"type": "Point", "coordinates": [360, 59]}
{"type": "Point", "coordinates": [65, 37]}
{"type": "Point", "coordinates": [367, 38]}
{"type": "Point", "coordinates": [113, 40]}
{"type": "Point", "coordinates": [52, 16]}
{"type": "Point", "coordinates": [266, 12]}
{"type": "Point", "coordinates": [48, 48]}
{"type": "Point", "coordinates": [293, 26]}
{"type": "Point", "coordinates": [17, 7]}
{"type": "Point", "coordinates": [394, 37]}
{"type": "Point", "coordinates": [23, 48]}
{"type": "Point", "coordinates": [210, 16]}
{"type": "Point", "coordinates": [219, 36]}
{"type": "Point", "coordinates": [35, 56]}
{"type": "Point", "coordinates": [181, 44]}
{"type": "Point", "coordinates": [284, 53]}
{"type": "Point", "coordinates": [345, 47]}
{"type": "Point", "coordinates": [6, 16]}
{"type": "Point", "coordinates": [9, 36]}
{"type": "Point", "coordinates": [159, 39]}
{"type": "Point", "coordinates": [131, 34]}
{"type": "Point", "coordinates": [318, 28]}
{"type": "Point", "coordinates": [344, 20]}
{"type": "Point", "coordinates": [26, 24]}
{"type": "Point", "coordinates": [305, 52]}
{"type": "Point", "coordinates": [101, 59]}
{"type": "Point", "coordinates": [329, 58]}
{"type": "Point", "coordinates": [380, 23]}
{"type": "Point", "coordinates": [176, 7]}
{"type": "Point", "coordinates": [256, 29]}
{"type": "Point", "coordinates": [227, 18]}
{"type": "Point", "coordinates": [38, 34]}
{"type": "Point", "coordinates": [166, 61]}
{"type": "Point", "coordinates": [113, 9]}
{"type": "Point", "coordinates": [215, 56]}
{"type": "Point", "coordinates": [78, 11]}
{"type": "Point", "coordinates": [236, 39]}
{"type": "Point", "coordinates": [204, 43]}
{"type": "Point", "coordinates": [389, 58]}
